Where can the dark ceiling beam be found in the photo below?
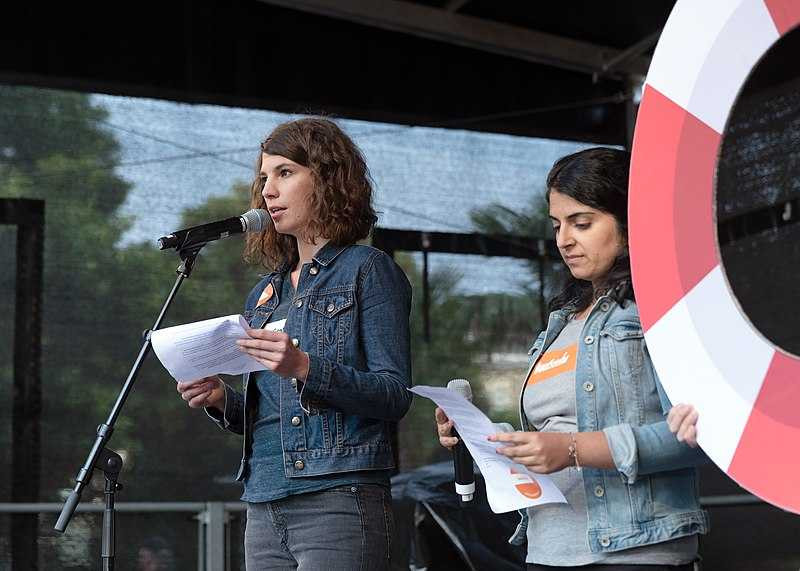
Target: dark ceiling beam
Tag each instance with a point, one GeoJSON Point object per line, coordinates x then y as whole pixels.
{"type": "Point", "coordinates": [454, 5]}
{"type": "Point", "coordinates": [504, 39]}
{"type": "Point", "coordinates": [635, 50]}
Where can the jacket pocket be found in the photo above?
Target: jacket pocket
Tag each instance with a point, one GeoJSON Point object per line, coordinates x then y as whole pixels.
{"type": "Point", "coordinates": [624, 330]}
{"type": "Point", "coordinates": [623, 354]}
{"type": "Point", "coordinates": [332, 320]}
{"type": "Point", "coordinates": [674, 491]}
{"type": "Point", "coordinates": [642, 499]}
{"type": "Point", "coordinates": [359, 431]}
{"type": "Point", "coordinates": [320, 430]}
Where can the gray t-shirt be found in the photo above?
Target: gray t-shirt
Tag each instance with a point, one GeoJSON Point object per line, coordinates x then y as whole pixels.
{"type": "Point", "coordinates": [557, 532]}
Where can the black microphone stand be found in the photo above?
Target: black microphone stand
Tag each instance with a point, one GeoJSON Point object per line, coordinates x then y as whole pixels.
{"type": "Point", "coordinates": [105, 459]}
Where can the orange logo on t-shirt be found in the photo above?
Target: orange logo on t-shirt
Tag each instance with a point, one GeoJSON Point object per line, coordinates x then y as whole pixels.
{"type": "Point", "coordinates": [525, 485]}
{"type": "Point", "coordinates": [554, 363]}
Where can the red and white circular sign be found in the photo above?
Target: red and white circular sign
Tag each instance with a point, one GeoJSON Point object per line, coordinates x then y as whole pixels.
{"type": "Point", "coordinates": [704, 348]}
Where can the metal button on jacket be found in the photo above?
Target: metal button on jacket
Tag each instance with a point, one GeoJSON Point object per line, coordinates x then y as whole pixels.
{"type": "Point", "coordinates": [588, 387]}
{"type": "Point", "coordinates": [599, 491]}
{"type": "Point", "coordinates": [295, 342]}
{"type": "Point", "coordinates": [588, 339]}
{"type": "Point", "coordinates": [331, 307]}
{"type": "Point", "coordinates": [604, 306]}
{"type": "Point", "coordinates": [295, 421]}
{"type": "Point", "coordinates": [298, 303]}
{"type": "Point", "coordinates": [313, 271]}
{"type": "Point", "coordinates": [299, 465]}
{"type": "Point", "coordinates": [605, 542]}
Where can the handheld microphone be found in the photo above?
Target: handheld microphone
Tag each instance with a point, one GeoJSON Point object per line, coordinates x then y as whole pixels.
{"type": "Point", "coordinates": [462, 460]}
{"type": "Point", "coordinates": [253, 220]}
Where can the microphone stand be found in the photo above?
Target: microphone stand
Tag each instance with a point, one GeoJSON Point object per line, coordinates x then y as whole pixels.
{"type": "Point", "coordinates": [105, 459]}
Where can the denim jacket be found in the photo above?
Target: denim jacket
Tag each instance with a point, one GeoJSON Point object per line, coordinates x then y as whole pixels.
{"type": "Point", "coordinates": [350, 314]}
{"type": "Point", "coordinates": [653, 495]}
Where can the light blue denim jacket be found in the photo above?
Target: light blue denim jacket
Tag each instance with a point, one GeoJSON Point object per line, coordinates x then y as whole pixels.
{"type": "Point", "coordinates": [350, 314]}
{"type": "Point", "coordinates": [653, 495]}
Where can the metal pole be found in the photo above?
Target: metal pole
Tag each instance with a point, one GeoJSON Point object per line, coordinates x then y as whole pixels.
{"type": "Point", "coordinates": [542, 303]}
{"type": "Point", "coordinates": [426, 294]}
{"type": "Point", "coordinates": [26, 414]}
{"type": "Point", "coordinates": [215, 519]}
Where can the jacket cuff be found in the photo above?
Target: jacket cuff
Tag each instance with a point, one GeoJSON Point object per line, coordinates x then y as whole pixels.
{"type": "Point", "coordinates": [624, 450]}
{"type": "Point", "coordinates": [317, 383]}
{"type": "Point", "coordinates": [223, 419]}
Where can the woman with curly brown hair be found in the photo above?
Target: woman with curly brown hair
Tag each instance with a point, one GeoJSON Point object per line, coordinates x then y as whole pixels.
{"type": "Point", "coordinates": [330, 325]}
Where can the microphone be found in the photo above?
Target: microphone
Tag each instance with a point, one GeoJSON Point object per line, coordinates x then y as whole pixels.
{"type": "Point", "coordinates": [254, 220]}
{"type": "Point", "coordinates": [462, 460]}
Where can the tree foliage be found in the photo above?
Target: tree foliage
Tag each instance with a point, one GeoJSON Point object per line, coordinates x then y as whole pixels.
{"type": "Point", "coordinates": [447, 355]}
{"type": "Point", "coordinates": [98, 299]}
{"type": "Point", "coordinates": [532, 224]}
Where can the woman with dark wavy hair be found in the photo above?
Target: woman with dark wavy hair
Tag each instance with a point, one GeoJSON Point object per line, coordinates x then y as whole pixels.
{"type": "Point", "coordinates": [592, 410]}
{"type": "Point", "coordinates": [329, 323]}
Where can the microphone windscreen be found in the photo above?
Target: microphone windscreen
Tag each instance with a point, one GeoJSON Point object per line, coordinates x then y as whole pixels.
{"type": "Point", "coordinates": [255, 220]}
{"type": "Point", "coordinates": [461, 386]}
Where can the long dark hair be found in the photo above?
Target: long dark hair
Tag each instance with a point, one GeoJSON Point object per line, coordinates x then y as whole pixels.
{"type": "Point", "coordinates": [596, 177]}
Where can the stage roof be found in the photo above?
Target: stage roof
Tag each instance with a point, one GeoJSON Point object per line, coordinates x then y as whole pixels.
{"type": "Point", "coordinates": [564, 70]}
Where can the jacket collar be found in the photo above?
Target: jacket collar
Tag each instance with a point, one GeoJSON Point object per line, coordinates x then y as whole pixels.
{"type": "Point", "coordinates": [323, 257]}
{"type": "Point", "coordinates": [328, 253]}
{"type": "Point", "coordinates": [558, 318]}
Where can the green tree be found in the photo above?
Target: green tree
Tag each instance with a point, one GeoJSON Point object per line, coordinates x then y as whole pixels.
{"type": "Point", "coordinates": [531, 224]}
{"type": "Point", "coordinates": [495, 218]}
{"type": "Point", "coordinates": [53, 148]}
{"type": "Point", "coordinates": [448, 354]}
{"type": "Point", "coordinates": [508, 322]}
{"type": "Point", "coordinates": [96, 300]}
{"type": "Point", "coordinates": [200, 460]}
{"type": "Point", "coordinates": [99, 297]}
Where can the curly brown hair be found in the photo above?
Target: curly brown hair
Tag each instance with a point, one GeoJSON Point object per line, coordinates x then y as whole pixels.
{"type": "Point", "coordinates": [341, 203]}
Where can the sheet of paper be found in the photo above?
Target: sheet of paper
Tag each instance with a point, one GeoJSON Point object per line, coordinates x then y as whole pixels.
{"type": "Point", "coordinates": [509, 486]}
{"type": "Point", "coordinates": [196, 350]}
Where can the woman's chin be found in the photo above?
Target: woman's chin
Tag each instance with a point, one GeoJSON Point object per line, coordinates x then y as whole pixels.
{"type": "Point", "coordinates": [284, 229]}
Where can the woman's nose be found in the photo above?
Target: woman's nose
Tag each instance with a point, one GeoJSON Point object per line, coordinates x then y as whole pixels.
{"type": "Point", "coordinates": [269, 191]}
{"type": "Point", "coordinates": [563, 238]}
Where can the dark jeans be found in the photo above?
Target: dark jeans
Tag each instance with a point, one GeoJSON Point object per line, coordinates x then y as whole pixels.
{"type": "Point", "coordinates": [600, 567]}
{"type": "Point", "coordinates": [348, 528]}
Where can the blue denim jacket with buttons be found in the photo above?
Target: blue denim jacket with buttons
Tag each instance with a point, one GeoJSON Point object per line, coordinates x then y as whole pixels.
{"type": "Point", "coordinates": [350, 314]}
{"type": "Point", "coordinates": [653, 495]}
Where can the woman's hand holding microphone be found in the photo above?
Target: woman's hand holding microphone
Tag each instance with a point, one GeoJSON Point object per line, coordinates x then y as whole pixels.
{"type": "Point", "coordinates": [541, 452]}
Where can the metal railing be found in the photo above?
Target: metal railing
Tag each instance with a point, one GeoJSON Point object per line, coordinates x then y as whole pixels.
{"type": "Point", "coordinates": [213, 531]}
